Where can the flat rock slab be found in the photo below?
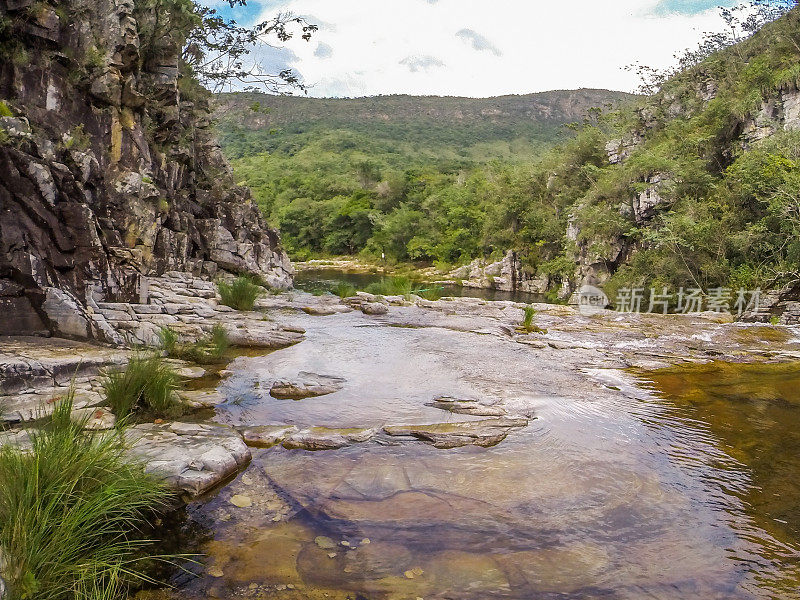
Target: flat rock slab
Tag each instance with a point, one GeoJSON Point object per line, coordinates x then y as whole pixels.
{"type": "Point", "coordinates": [307, 385]}
{"type": "Point", "coordinates": [190, 457]}
{"type": "Point", "coordinates": [467, 407]}
{"type": "Point", "coordinates": [260, 334]}
{"type": "Point", "coordinates": [487, 432]}
{"type": "Point", "coordinates": [95, 419]}
{"type": "Point", "coordinates": [266, 436]}
{"type": "Point", "coordinates": [324, 438]}
{"type": "Point", "coordinates": [29, 407]}
{"type": "Point", "coordinates": [202, 398]}
{"type": "Point", "coordinates": [31, 363]}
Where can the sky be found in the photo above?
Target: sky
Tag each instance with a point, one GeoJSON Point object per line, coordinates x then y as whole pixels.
{"type": "Point", "coordinates": [478, 48]}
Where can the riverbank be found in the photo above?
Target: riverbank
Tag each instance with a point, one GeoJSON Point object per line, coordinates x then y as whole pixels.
{"type": "Point", "coordinates": [448, 401]}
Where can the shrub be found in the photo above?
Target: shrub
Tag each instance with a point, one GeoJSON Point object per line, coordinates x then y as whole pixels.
{"type": "Point", "coordinates": [241, 294]}
{"type": "Point", "coordinates": [146, 383]}
{"type": "Point", "coordinates": [69, 512]}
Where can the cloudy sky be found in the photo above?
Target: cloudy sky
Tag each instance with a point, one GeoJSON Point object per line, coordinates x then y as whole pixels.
{"type": "Point", "coordinates": [479, 48]}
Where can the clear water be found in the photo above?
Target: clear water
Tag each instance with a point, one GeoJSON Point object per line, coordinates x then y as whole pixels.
{"type": "Point", "coordinates": [691, 491]}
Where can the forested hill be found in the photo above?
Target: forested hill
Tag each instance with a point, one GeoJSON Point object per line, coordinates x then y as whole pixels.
{"type": "Point", "coordinates": [252, 122]}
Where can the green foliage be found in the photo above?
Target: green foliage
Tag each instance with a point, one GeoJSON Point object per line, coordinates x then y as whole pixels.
{"type": "Point", "coordinates": [5, 111]}
{"type": "Point", "coordinates": [69, 513]}
{"type": "Point", "coordinates": [146, 384]}
{"type": "Point", "coordinates": [77, 139]}
{"type": "Point", "coordinates": [241, 294]}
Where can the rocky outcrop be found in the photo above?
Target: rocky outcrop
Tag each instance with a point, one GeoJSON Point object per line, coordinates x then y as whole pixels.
{"type": "Point", "coordinates": [109, 169]}
{"type": "Point", "coordinates": [507, 274]}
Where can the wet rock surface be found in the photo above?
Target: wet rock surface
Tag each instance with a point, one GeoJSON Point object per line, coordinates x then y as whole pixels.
{"type": "Point", "coordinates": [455, 459]}
{"type": "Point", "coordinates": [306, 385]}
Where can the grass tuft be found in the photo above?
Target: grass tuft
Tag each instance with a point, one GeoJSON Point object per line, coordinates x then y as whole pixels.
{"type": "Point", "coordinates": [395, 286]}
{"type": "Point", "coordinates": [241, 294]}
{"type": "Point", "coordinates": [146, 384]}
{"type": "Point", "coordinates": [527, 321]}
{"type": "Point", "coordinates": [70, 509]}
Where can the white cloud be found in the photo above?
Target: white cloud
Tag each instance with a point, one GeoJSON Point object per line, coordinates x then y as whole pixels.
{"type": "Point", "coordinates": [512, 46]}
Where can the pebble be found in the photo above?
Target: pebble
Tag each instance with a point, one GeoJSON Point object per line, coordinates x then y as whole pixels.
{"type": "Point", "coordinates": [215, 572]}
{"type": "Point", "coordinates": [332, 555]}
{"type": "Point", "coordinates": [241, 501]}
{"type": "Point", "coordinates": [324, 542]}
{"type": "Point", "coordinates": [247, 480]}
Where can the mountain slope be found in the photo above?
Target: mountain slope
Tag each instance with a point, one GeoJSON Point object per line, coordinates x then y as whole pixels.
{"type": "Point", "coordinates": [251, 122]}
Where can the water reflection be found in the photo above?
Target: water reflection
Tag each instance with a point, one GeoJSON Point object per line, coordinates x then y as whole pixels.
{"type": "Point", "coordinates": [736, 428]}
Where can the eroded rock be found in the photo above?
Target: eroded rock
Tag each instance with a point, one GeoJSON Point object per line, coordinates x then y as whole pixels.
{"type": "Point", "coordinates": [265, 436]}
{"type": "Point", "coordinates": [190, 457]}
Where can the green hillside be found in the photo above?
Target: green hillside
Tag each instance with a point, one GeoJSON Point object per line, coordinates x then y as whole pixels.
{"type": "Point", "coordinates": [472, 128]}
{"type": "Point", "coordinates": [409, 176]}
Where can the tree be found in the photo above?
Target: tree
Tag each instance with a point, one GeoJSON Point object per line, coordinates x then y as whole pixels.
{"type": "Point", "coordinates": [741, 21]}
{"type": "Point", "coordinates": [217, 51]}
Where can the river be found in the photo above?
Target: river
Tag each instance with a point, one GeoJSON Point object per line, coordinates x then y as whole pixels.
{"type": "Point", "coordinates": [626, 483]}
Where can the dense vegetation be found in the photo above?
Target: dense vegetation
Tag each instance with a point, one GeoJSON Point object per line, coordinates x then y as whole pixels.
{"type": "Point", "coordinates": [416, 188]}
{"type": "Point", "coordinates": [726, 213]}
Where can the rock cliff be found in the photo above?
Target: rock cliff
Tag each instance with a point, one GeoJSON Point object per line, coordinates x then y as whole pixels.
{"type": "Point", "coordinates": [109, 168]}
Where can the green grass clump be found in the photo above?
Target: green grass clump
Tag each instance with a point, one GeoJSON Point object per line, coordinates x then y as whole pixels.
{"type": "Point", "coordinates": [70, 510]}
{"type": "Point", "coordinates": [343, 290]}
{"type": "Point", "coordinates": [527, 321]}
{"type": "Point", "coordinates": [145, 384]}
{"type": "Point", "coordinates": [434, 293]}
{"type": "Point", "coordinates": [5, 111]}
{"type": "Point", "coordinates": [209, 349]}
{"type": "Point", "coordinates": [241, 294]}
{"type": "Point", "coordinates": [395, 286]}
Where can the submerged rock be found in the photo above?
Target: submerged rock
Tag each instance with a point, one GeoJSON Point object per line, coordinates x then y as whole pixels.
{"type": "Point", "coordinates": [306, 386]}
{"type": "Point", "coordinates": [467, 407]}
{"type": "Point", "coordinates": [487, 432]}
{"type": "Point", "coordinates": [324, 438]}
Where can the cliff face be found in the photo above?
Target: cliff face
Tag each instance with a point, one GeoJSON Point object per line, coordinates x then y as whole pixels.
{"type": "Point", "coordinates": [109, 169]}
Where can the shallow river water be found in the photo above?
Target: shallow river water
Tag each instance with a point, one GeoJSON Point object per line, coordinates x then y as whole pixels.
{"type": "Point", "coordinates": [688, 488]}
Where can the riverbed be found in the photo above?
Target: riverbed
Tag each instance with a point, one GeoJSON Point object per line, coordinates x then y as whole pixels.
{"type": "Point", "coordinates": [657, 458]}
